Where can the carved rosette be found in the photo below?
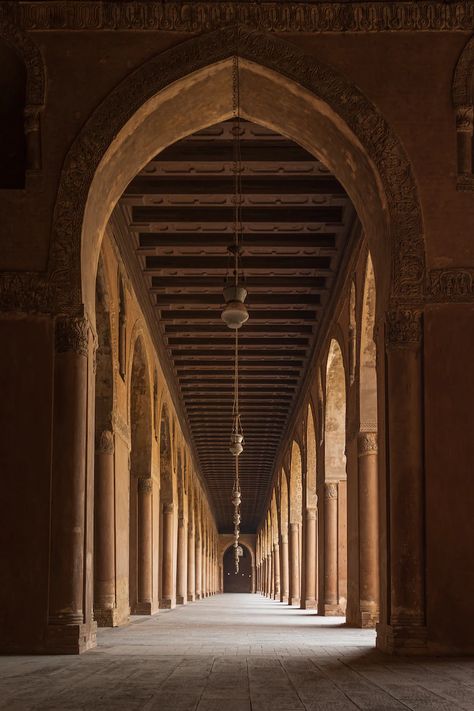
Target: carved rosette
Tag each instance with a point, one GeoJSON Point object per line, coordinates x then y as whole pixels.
{"type": "Point", "coordinates": [145, 485]}
{"type": "Point", "coordinates": [404, 328]}
{"type": "Point", "coordinates": [72, 335]}
{"type": "Point", "coordinates": [105, 443]}
{"type": "Point", "coordinates": [330, 491]}
{"type": "Point", "coordinates": [367, 443]}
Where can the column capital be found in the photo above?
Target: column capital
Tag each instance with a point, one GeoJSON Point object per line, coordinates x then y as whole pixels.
{"type": "Point", "coordinates": [330, 490]}
{"type": "Point", "coordinates": [464, 118]}
{"type": "Point", "coordinates": [276, 547]}
{"type": "Point", "coordinates": [168, 508]}
{"type": "Point", "coordinates": [367, 443]}
{"type": "Point", "coordinates": [311, 514]}
{"type": "Point", "coordinates": [104, 442]}
{"type": "Point", "coordinates": [145, 486]}
{"type": "Point", "coordinates": [284, 538]}
{"type": "Point", "coordinates": [72, 334]}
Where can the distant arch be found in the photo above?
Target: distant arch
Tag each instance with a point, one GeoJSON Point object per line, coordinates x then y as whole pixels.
{"type": "Point", "coordinates": [311, 498]}
{"type": "Point", "coordinates": [241, 582]}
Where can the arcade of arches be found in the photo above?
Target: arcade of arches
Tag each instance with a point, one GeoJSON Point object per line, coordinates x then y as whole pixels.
{"type": "Point", "coordinates": [117, 199]}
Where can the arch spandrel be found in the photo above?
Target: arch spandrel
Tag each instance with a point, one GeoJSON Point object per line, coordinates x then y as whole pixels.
{"type": "Point", "coordinates": [295, 488]}
{"type": "Point", "coordinates": [335, 414]}
{"type": "Point", "coordinates": [311, 498]}
{"type": "Point", "coordinates": [104, 156]}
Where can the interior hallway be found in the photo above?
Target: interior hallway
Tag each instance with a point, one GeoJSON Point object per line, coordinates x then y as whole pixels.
{"type": "Point", "coordinates": [235, 653]}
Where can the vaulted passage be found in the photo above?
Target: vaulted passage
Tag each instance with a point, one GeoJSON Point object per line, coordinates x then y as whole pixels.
{"type": "Point", "coordinates": [236, 383]}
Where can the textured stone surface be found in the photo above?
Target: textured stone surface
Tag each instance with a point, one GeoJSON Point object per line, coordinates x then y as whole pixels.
{"type": "Point", "coordinates": [235, 653]}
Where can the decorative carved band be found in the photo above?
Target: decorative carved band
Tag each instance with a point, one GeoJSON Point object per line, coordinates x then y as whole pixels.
{"type": "Point", "coordinates": [72, 335]}
{"type": "Point", "coordinates": [404, 328]}
{"type": "Point", "coordinates": [104, 443]}
{"type": "Point", "coordinates": [367, 443]}
{"type": "Point", "coordinates": [145, 486]}
{"type": "Point", "coordinates": [270, 16]}
{"type": "Point", "coordinates": [27, 292]}
{"type": "Point", "coordinates": [330, 491]}
{"type": "Point", "coordinates": [451, 284]}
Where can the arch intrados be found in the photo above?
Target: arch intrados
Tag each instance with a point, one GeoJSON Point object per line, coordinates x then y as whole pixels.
{"type": "Point", "coordinates": [138, 119]}
{"type": "Point", "coordinates": [463, 78]}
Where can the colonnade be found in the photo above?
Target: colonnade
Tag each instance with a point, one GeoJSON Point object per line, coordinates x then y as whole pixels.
{"type": "Point", "coordinates": [318, 545]}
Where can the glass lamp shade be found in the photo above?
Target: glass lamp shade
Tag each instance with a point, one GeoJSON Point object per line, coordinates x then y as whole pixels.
{"type": "Point", "coordinates": [235, 312]}
{"type": "Point", "coordinates": [236, 446]}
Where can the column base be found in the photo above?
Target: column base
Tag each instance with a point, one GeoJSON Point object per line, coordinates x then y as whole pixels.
{"type": "Point", "coordinates": [109, 617]}
{"type": "Point", "coordinates": [191, 597]}
{"type": "Point", "coordinates": [309, 604]}
{"type": "Point", "coordinates": [294, 601]}
{"type": "Point", "coordinates": [180, 600]}
{"type": "Point", "coordinates": [402, 639]}
{"type": "Point", "coordinates": [167, 604]}
{"type": "Point", "coordinates": [144, 608]}
{"type": "Point", "coordinates": [71, 639]}
{"type": "Point", "coordinates": [332, 610]}
{"type": "Point", "coordinates": [284, 598]}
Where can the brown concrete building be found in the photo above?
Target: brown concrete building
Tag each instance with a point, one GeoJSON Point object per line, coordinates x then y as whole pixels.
{"type": "Point", "coordinates": [322, 155]}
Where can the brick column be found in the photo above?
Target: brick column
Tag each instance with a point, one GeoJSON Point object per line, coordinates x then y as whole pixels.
{"type": "Point", "coordinates": [168, 598]}
{"type": "Point", "coordinates": [191, 582]}
{"type": "Point", "coordinates": [294, 565]}
{"type": "Point", "coordinates": [104, 533]}
{"type": "Point", "coordinates": [368, 529]}
{"type": "Point", "coordinates": [70, 625]}
{"type": "Point", "coordinates": [276, 571]}
{"type": "Point", "coordinates": [182, 572]}
{"type": "Point", "coordinates": [403, 626]}
{"type": "Point", "coordinates": [284, 567]}
{"type": "Point", "coordinates": [144, 601]}
{"type": "Point", "coordinates": [308, 600]}
{"type": "Point", "coordinates": [331, 606]}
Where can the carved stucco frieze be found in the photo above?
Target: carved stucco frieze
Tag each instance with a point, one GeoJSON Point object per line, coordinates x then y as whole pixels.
{"type": "Point", "coordinates": [270, 16]}
{"type": "Point", "coordinates": [451, 285]}
{"type": "Point", "coordinates": [72, 335]}
{"type": "Point", "coordinates": [404, 328]}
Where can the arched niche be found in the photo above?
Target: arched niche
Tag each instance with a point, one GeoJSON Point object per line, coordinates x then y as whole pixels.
{"type": "Point", "coordinates": [352, 333]}
{"type": "Point", "coordinates": [240, 582]}
{"type": "Point", "coordinates": [335, 415]}
{"type": "Point", "coordinates": [311, 499]}
{"type": "Point", "coordinates": [166, 458]}
{"type": "Point", "coordinates": [104, 387]}
{"type": "Point", "coordinates": [368, 354]}
{"type": "Point", "coordinates": [188, 88]}
{"type": "Point", "coordinates": [296, 489]}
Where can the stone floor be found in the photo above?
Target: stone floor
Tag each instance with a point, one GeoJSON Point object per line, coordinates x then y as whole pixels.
{"type": "Point", "coordinates": [235, 653]}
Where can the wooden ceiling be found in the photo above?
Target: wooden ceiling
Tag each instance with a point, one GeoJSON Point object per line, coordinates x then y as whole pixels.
{"type": "Point", "coordinates": [296, 217]}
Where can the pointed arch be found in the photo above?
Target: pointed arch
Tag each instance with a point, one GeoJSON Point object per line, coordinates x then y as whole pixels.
{"type": "Point", "coordinates": [311, 498]}
{"type": "Point", "coordinates": [368, 354]}
{"type": "Point", "coordinates": [104, 157]}
{"type": "Point", "coordinates": [335, 415]}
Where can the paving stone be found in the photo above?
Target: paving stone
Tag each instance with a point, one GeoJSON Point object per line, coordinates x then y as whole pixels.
{"type": "Point", "coordinates": [235, 653]}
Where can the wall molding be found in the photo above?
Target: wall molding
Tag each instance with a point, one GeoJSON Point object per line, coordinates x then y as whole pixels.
{"type": "Point", "coordinates": [172, 16]}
